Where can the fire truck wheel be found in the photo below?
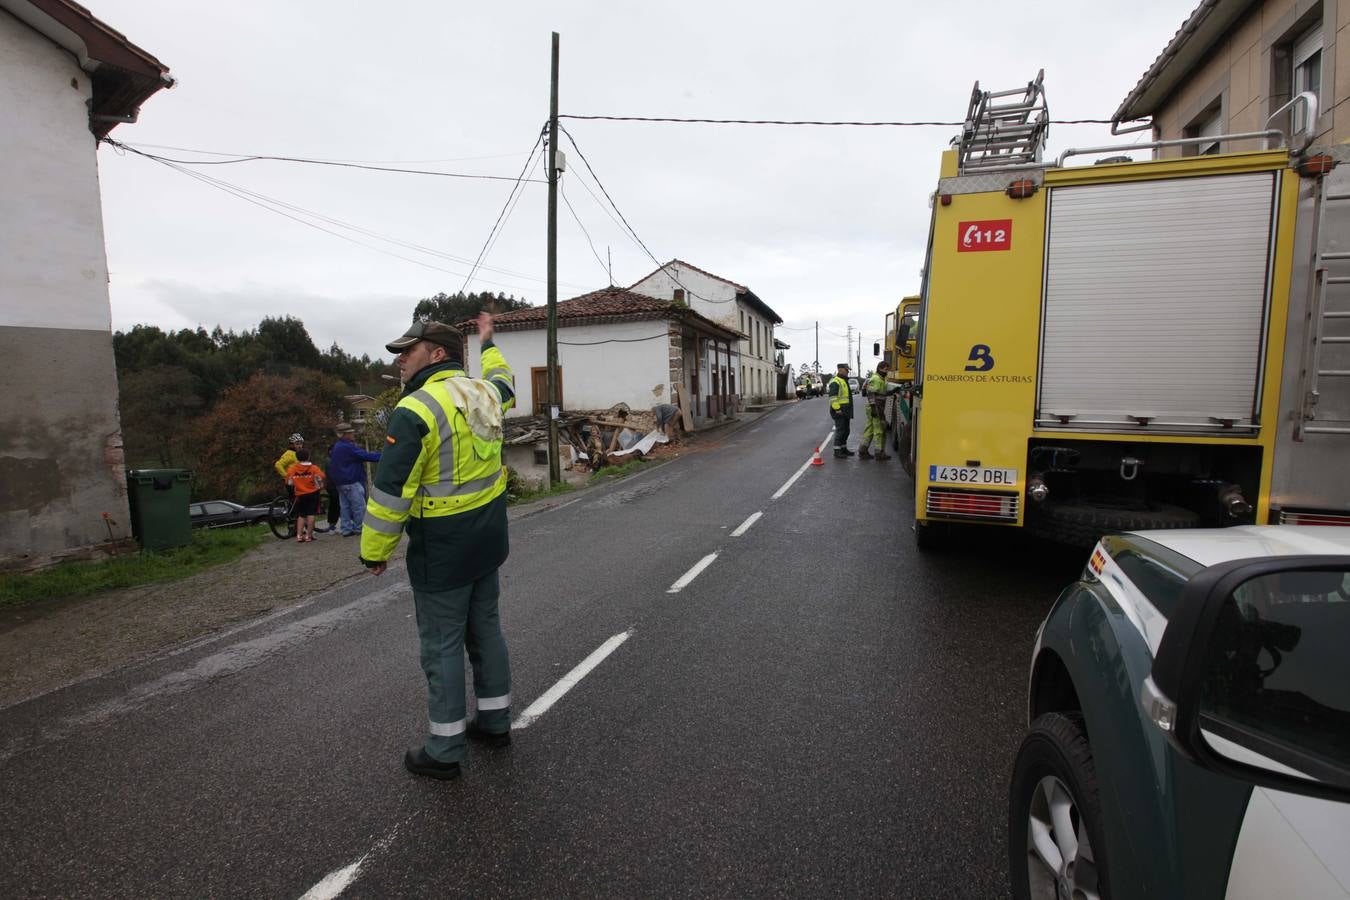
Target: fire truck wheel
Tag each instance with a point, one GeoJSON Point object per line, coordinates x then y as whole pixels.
{"type": "Point", "coordinates": [1082, 522]}
{"type": "Point", "coordinates": [904, 448]}
{"type": "Point", "coordinates": [930, 536]}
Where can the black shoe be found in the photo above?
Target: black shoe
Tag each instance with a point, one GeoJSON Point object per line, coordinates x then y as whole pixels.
{"type": "Point", "coordinates": [864, 454]}
{"type": "Point", "coordinates": [494, 739]}
{"type": "Point", "coordinates": [848, 452]}
{"type": "Point", "coordinates": [841, 454]}
{"type": "Point", "coordinates": [419, 763]}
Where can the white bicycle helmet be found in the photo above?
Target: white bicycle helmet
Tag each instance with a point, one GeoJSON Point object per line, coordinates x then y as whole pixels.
{"type": "Point", "coordinates": [296, 438]}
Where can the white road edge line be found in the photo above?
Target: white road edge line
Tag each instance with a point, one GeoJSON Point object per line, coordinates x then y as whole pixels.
{"type": "Point", "coordinates": [692, 574]}
{"type": "Point", "coordinates": [568, 681]}
{"type": "Point", "coordinates": [798, 474]}
{"type": "Point", "coordinates": [745, 526]}
{"type": "Point", "coordinates": [334, 883]}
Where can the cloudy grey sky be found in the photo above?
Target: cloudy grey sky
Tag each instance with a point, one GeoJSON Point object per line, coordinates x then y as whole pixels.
{"type": "Point", "coordinates": [823, 223]}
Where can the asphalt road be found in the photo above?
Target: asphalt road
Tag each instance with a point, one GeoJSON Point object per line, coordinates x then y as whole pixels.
{"type": "Point", "coordinates": [820, 711]}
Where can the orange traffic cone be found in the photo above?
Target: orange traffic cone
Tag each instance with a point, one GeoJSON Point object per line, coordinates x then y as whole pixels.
{"type": "Point", "coordinates": [816, 460]}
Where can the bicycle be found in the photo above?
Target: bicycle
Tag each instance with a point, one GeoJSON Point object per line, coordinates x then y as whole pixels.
{"type": "Point", "coordinates": [282, 523]}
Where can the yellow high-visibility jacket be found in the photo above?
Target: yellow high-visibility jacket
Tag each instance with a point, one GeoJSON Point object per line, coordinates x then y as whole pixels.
{"type": "Point", "coordinates": [839, 395]}
{"type": "Point", "coordinates": [441, 478]}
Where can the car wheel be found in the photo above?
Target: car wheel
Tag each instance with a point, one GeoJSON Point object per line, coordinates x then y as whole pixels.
{"type": "Point", "coordinates": [1056, 849]}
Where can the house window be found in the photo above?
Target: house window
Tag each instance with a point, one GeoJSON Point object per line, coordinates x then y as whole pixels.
{"type": "Point", "coordinates": [1208, 124]}
{"type": "Point", "coordinates": [1306, 58]}
{"type": "Point", "coordinates": [679, 295]}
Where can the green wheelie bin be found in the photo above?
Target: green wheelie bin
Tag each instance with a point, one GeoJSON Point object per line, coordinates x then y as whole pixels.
{"type": "Point", "coordinates": [159, 507]}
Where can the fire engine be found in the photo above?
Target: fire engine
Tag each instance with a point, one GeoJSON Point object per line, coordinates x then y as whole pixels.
{"type": "Point", "coordinates": [1131, 344]}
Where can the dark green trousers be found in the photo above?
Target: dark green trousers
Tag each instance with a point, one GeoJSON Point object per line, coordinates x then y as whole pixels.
{"type": "Point", "coordinates": [448, 622]}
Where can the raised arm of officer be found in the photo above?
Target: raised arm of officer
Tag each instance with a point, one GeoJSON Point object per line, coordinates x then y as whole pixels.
{"type": "Point", "coordinates": [493, 365]}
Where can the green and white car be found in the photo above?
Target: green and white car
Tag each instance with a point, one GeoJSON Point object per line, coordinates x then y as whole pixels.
{"type": "Point", "coordinates": [1189, 711]}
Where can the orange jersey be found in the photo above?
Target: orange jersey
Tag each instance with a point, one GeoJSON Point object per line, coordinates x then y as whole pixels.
{"type": "Point", "coordinates": [305, 477]}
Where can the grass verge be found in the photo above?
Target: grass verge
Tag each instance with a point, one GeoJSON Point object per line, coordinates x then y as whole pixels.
{"type": "Point", "coordinates": [609, 473]}
{"type": "Point", "coordinates": [209, 547]}
{"type": "Point", "coordinates": [525, 495]}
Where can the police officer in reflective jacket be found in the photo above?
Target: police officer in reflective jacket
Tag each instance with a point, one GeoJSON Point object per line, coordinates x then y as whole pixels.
{"type": "Point", "coordinates": [441, 478]}
{"type": "Point", "coordinates": [841, 410]}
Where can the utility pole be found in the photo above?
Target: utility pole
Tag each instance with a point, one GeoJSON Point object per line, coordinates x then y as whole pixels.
{"type": "Point", "coordinates": [849, 352]}
{"type": "Point", "coordinates": [817, 346]}
{"type": "Point", "coordinates": [554, 469]}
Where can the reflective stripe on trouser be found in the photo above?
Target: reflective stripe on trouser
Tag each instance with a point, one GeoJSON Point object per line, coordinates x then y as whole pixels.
{"type": "Point", "coordinates": [448, 622]}
{"type": "Point", "coordinates": [874, 431]}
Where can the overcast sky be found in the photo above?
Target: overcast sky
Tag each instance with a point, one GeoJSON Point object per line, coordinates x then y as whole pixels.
{"type": "Point", "coordinates": [822, 223]}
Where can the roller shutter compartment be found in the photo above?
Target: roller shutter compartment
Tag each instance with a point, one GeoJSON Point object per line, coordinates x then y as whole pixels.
{"type": "Point", "coordinates": [1155, 307]}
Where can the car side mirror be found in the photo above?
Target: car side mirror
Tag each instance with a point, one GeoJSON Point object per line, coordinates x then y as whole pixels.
{"type": "Point", "coordinates": [876, 348]}
{"type": "Point", "coordinates": [1252, 677]}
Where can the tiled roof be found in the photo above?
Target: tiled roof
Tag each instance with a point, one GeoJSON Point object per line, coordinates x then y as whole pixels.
{"type": "Point", "coordinates": [611, 304]}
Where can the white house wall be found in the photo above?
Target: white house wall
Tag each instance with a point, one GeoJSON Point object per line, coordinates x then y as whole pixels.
{"type": "Point", "coordinates": [61, 447]}
{"type": "Point", "coordinates": [715, 299]}
{"type": "Point", "coordinates": [602, 365]}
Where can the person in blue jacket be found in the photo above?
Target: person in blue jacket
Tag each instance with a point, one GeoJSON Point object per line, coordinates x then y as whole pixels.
{"type": "Point", "coordinates": [347, 470]}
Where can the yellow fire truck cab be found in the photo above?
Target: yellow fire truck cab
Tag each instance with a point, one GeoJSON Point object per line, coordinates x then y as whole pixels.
{"type": "Point", "coordinates": [1130, 344]}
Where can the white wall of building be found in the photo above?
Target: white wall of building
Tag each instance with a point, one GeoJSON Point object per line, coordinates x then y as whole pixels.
{"type": "Point", "coordinates": [54, 268]}
{"type": "Point", "coordinates": [713, 298]}
{"type": "Point", "coordinates": [602, 365]}
{"type": "Point", "coordinates": [62, 452]}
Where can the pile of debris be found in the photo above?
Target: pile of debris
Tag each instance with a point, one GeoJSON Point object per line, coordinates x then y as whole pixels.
{"type": "Point", "coordinates": [590, 439]}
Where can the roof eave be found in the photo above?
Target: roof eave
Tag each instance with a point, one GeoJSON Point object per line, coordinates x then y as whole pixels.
{"type": "Point", "coordinates": [1201, 31]}
{"type": "Point", "coordinates": [760, 304]}
{"type": "Point", "coordinates": [123, 75]}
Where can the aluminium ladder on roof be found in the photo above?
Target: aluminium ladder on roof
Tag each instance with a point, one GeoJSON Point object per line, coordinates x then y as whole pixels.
{"type": "Point", "coordinates": [1326, 400]}
{"type": "Point", "coordinates": [1004, 128]}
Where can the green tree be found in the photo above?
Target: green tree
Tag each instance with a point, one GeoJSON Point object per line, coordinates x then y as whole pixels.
{"type": "Point", "coordinates": [156, 403]}
{"type": "Point", "coordinates": [460, 307]}
{"type": "Point", "coordinates": [237, 442]}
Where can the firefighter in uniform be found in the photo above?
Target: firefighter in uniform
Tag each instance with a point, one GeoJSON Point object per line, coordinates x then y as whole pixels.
{"type": "Point", "coordinates": [841, 410]}
{"type": "Point", "coordinates": [441, 477]}
{"type": "Point", "coordinates": [874, 432]}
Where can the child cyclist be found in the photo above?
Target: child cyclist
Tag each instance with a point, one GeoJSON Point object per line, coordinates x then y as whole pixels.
{"type": "Point", "coordinates": [307, 481]}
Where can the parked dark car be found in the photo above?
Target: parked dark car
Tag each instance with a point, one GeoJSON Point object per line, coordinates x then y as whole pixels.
{"type": "Point", "coordinates": [223, 513]}
{"type": "Point", "coordinates": [1189, 711]}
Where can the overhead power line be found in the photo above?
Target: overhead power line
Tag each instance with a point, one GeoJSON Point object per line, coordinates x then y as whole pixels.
{"type": "Point", "coordinates": [371, 162]}
{"type": "Point", "coordinates": [506, 208]}
{"type": "Point", "coordinates": [312, 162]}
{"type": "Point", "coordinates": [814, 122]}
{"type": "Point", "coordinates": [562, 193]}
{"type": "Point", "coordinates": [659, 265]}
{"type": "Point", "coordinates": [279, 207]}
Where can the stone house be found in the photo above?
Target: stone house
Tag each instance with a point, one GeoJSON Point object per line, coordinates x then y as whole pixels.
{"type": "Point", "coordinates": [753, 373]}
{"type": "Point", "coordinates": [1235, 63]}
{"type": "Point", "coordinates": [616, 346]}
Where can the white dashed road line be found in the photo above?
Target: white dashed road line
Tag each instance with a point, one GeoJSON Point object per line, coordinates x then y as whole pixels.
{"type": "Point", "coordinates": [334, 883]}
{"type": "Point", "coordinates": [569, 681]}
{"type": "Point", "coordinates": [798, 474]}
{"type": "Point", "coordinates": [692, 574]}
{"type": "Point", "coordinates": [745, 526]}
